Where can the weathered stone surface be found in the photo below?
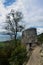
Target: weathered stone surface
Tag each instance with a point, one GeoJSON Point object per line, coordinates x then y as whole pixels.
{"type": "Point", "coordinates": [35, 58]}
{"type": "Point", "coordinates": [41, 54]}
{"type": "Point", "coordinates": [29, 36]}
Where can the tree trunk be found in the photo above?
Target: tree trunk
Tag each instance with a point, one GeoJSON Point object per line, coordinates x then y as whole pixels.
{"type": "Point", "coordinates": [16, 33]}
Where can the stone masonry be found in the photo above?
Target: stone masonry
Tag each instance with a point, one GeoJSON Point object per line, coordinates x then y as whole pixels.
{"type": "Point", "coordinates": [29, 36]}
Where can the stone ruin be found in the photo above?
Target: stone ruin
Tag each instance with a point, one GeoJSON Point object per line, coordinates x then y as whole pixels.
{"type": "Point", "coordinates": [29, 37]}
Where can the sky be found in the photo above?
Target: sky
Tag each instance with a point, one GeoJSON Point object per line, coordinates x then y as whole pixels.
{"type": "Point", "coordinates": [31, 9]}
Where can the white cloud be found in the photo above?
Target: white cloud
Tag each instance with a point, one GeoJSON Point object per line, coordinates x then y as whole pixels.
{"type": "Point", "coordinates": [33, 14]}
{"type": "Point", "coordinates": [3, 11]}
{"type": "Point", "coordinates": [39, 30]}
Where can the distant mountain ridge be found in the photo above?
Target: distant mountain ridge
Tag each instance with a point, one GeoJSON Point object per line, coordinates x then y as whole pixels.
{"type": "Point", "coordinates": [5, 36]}
{"type": "Point", "coordinates": [6, 33]}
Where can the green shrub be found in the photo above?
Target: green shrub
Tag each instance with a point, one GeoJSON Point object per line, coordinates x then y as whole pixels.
{"type": "Point", "coordinates": [13, 53]}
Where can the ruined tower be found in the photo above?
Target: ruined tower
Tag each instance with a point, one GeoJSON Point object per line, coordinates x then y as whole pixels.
{"type": "Point", "coordinates": [29, 36]}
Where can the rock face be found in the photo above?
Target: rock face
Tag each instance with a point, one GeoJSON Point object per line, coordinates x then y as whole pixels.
{"type": "Point", "coordinates": [35, 57]}
{"type": "Point", "coordinates": [29, 36]}
{"type": "Point", "coordinates": [42, 54]}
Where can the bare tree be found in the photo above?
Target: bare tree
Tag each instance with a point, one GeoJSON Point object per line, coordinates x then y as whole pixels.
{"type": "Point", "coordinates": [12, 20]}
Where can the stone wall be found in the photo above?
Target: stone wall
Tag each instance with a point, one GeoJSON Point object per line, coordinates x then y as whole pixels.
{"type": "Point", "coordinates": [29, 36]}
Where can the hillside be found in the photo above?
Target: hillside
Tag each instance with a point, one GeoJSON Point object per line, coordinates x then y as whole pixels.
{"type": "Point", "coordinates": [40, 38]}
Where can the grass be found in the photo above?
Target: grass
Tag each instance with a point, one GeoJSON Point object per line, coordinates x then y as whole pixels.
{"type": "Point", "coordinates": [2, 44]}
